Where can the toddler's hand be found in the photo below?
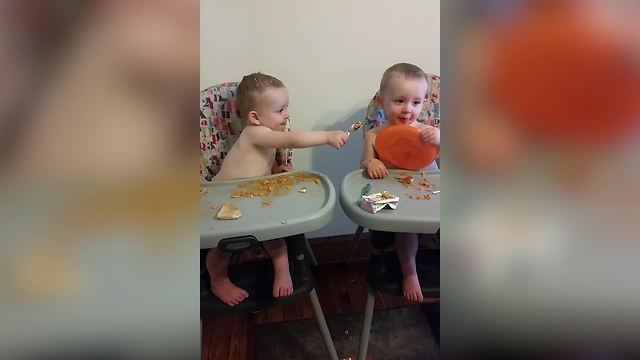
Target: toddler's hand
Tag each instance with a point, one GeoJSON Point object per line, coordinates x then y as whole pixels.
{"type": "Point", "coordinates": [277, 169]}
{"type": "Point", "coordinates": [281, 156]}
{"type": "Point", "coordinates": [430, 135]}
{"type": "Point", "coordinates": [376, 169]}
{"type": "Point", "coordinates": [337, 138]}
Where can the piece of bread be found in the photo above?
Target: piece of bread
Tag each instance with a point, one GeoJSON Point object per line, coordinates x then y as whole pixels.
{"type": "Point", "coordinates": [228, 212]}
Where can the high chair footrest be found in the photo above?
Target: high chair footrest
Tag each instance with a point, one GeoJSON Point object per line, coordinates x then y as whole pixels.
{"type": "Point", "coordinates": [238, 244]}
{"type": "Point", "coordinates": [256, 277]}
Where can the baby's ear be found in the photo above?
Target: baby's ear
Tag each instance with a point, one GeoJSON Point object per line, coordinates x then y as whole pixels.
{"type": "Point", "coordinates": [252, 117]}
{"type": "Point", "coordinates": [378, 100]}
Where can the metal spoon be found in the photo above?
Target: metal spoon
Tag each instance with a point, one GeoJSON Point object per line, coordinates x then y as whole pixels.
{"type": "Point", "coordinates": [355, 126]}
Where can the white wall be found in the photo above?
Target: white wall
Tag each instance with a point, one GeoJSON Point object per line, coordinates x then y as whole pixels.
{"type": "Point", "coordinates": [329, 53]}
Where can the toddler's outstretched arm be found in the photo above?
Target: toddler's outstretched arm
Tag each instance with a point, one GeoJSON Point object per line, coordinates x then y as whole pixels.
{"type": "Point", "coordinates": [265, 137]}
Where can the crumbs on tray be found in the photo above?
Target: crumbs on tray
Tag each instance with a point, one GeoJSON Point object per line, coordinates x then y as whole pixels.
{"type": "Point", "coordinates": [420, 197]}
{"type": "Point", "coordinates": [406, 180]}
{"type": "Point", "coordinates": [278, 185]}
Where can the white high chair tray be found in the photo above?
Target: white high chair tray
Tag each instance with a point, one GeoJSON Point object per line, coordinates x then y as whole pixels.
{"type": "Point", "coordinates": [290, 214]}
{"type": "Point", "coordinates": [412, 215]}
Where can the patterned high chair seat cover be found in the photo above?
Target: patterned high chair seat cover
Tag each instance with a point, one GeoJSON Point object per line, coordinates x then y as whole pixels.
{"type": "Point", "coordinates": [220, 126]}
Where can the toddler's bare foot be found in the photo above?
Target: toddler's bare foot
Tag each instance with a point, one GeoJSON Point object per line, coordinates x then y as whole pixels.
{"type": "Point", "coordinates": [411, 288]}
{"type": "Point", "coordinates": [282, 284]}
{"type": "Point", "coordinates": [228, 292]}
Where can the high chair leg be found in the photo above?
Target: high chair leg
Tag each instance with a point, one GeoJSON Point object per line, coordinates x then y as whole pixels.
{"type": "Point", "coordinates": [366, 325]}
{"type": "Point", "coordinates": [312, 256]}
{"type": "Point", "coordinates": [354, 244]}
{"type": "Point", "coordinates": [322, 323]}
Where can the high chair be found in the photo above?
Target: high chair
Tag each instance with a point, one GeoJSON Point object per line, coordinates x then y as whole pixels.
{"type": "Point", "coordinates": [375, 117]}
{"type": "Point", "coordinates": [219, 128]}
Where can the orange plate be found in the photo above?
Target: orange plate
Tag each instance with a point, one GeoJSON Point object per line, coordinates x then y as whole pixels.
{"type": "Point", "coordinates": [401, 146]}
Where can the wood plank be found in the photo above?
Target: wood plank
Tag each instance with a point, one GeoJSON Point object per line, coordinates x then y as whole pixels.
{"type": "Point", "coordinates": [381, 303]}
{"type": "Point", "coordinates": [206, 338]}
{"type": "Point", "coordinates": [299, 308]}
{"type": "Point", "coordinates": [363, 250]}
{"type": "Point", "coordinates": [238, 337]}
{"type": "Point", "coordinates": [329, 302]}
{"type": "Point", "coordinates": [338, 287]}
{"type": "Point", "coordinates": [334, 249]}
{"type": "Point", "coordinates": [251, 336]}
{"type": "Point", "coordinates": [431, 300]}
{"type": "Point", "coordinates": [290, 310]}
{"type": "Point", "coordinates": [220, 340]}
{"type": "Point", "coordinates": [307, 309]}
{"type": "Point", "coordinates": [275, 314]}
{"type": "Point", "coordinates": [261, 317]}
{"type": "Point", "coordinates": [361, 272]}
{"type": "Point", "coordinates": [324, 253]}
{"type": "Point", "coordinates": [346, 238]}
{"type": "Point", "coordinates": [356, 288]}
{"type": "Point", "coordinates": [342, 286]}
{"type": "Point", "coordinates": [394, 301]}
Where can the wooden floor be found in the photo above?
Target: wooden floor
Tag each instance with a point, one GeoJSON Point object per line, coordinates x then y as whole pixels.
{"type": "Point", "coordinates": [341, 289]}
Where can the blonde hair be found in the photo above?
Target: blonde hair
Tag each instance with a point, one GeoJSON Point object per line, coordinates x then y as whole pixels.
{"type": "Point", "coordinates": [250, 88]}
{"type": "Point", "coordinates": [408, 70]}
